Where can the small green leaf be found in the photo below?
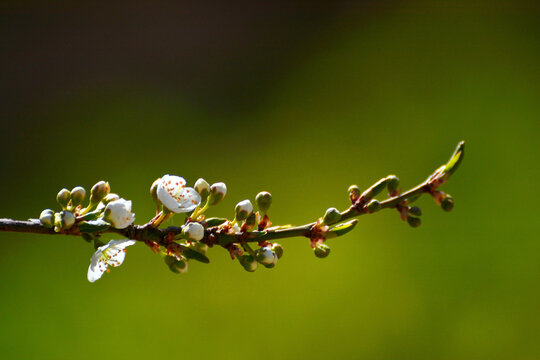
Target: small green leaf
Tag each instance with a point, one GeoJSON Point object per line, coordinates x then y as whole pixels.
{"type": "Point", "coordinates": [211, 222]}
{"type": "Point", "coordinates": [342, 229]}
{"type": "Point", "coordinates": [193, 254]}
{"type": "Point", "coordinates": [93, 226]}
{"type": "Point", "coordinates": [452, 164]}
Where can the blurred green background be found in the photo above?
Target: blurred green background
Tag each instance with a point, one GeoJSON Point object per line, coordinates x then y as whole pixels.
{"type": "Point", "coordinates": [301, 99]}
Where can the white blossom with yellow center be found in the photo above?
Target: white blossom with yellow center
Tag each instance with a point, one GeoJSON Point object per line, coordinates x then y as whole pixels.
{"type": "Point", "coordinates": [111, 254]}
{"type": "Point", "coordinates": [175, 196]}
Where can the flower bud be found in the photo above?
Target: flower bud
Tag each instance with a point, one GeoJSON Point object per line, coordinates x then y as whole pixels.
{"type": "Point", "coordinates": [393, 183]}
{"type": "Point", "coordinates": [193, 231]}
{"type": "Point", "coordinates": [243, 209]}
{"type": "Point", "coordinates": [447, 203]}
{"type": "Point", "coordinates": [331, 216]}
{"type": "Point", "coordinates": [278, 249]}
{"type": "Point", "coordinates": [67, 219]}
{"type": "Point", "coordinates": [373, 206]}
{"type": "Point", "coordinates": [354, 193]}
{"type": "Point", "coordinates": [415, 211]}
{"type": "Point", "coordinates": [63, 198]}
{"type": "Point", "coordinates": [251, 220]}
{"type": "Point", "coordinates": [78, 194]}
{"type": "Point", "coordinates": [203, 188]}
{"type": "Point", "coordinates": [153, 191]}
{"type": "Point", "coordinates": [267, 257]}
{"type": "Point", "coordinates": [217, 193]}
{"type": "Point", "coordinates": [178, 265]}
{"type": "Point", "coordinates": [99, 191]}
{"type": "Point", "coordinates": [47, 218]}
{"type": "Point", "coordinates": [248, 262]}
{"type": "Point", "coordinates": [321, 250]}
{"type": "Point", "coordinates": [109, 198]}
{"type": "Point", "coordinates": [414, 221]}
{"type": "Point", "coordinates": [264, 200]}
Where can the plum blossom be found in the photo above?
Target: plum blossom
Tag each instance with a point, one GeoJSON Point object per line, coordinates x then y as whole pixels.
{"type": "Point", "coordinates": [113, 254]}
{"type": "Point", "coordinates": [175, 196]}
{"type": "Point", "coordinates": [118, 213]}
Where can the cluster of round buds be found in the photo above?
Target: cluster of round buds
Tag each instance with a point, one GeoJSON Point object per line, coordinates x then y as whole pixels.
{"type": "Point", "coordinates": [104, 210]}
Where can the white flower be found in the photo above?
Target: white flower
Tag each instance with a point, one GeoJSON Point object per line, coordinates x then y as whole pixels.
{"type": "Point", "coordinates": [112, 254]}
{"type": "Point", "coordinates": [175, 196]}
{"type": "Point", "coordinates": [118, 213]}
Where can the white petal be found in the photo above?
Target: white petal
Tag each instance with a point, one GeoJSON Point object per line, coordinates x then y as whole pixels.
{"type": "Point", "coordinates": [167, 200]}
{"type": "Point", "coordinates": [189, 199]}
{"type": "Point", "coordinates": [172, 182]}
{"type": "Point", "coordinates": [95, 271]}
{"type": "Point", "coordinates": [121, 244]}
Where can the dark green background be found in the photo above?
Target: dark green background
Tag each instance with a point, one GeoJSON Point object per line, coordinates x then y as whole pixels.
{"type": "Point", "coordinates": [301, 99]}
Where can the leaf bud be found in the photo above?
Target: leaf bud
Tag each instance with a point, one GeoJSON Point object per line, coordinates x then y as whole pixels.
{"type": "Point", "coordinates": [248, 262]}
{"type": "Point", "coordinates": [203, 188]}
{"type": "Point", "coordinates": [393, 183]}
{"type": "Point", "coordinates": [373, 206]}
{"type": "Point", "coordinates": [415, 211]}
{"type": "Point", "coordinates": [47, 218]}
{"type": "Point", "coordinates": [63, 198]}
{"type": "Point", "coordinates": [354, 193]}
{"type": "Point", "coordinates": [447, 203]}
{"type": "Point", "coordinates": [99, 191]}
{"type": "Point", "coordinates": [321, 250]}
{"type": "Point", "coordinates": [331, 216]}
{"type": "Point", "coordinates": [193, 231]}
{"type": "Point", "coordinates": [266, 256]}
{"type": "Point", "coordinates": [264, 200]}
{"type": "Point", "coordinates": [414, 221]}
{"type": "Point", "coordinates": [217, 193]}
{"type": "Point", "coordinates": [243, 209]}
{"type": "Point", "coordinates": [78, 194]}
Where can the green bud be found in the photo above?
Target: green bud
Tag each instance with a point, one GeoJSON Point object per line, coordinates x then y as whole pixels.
{"type": "Point", "coordinates": [78, 194]}
{"type": "Point", "coordinates": [110, 197]}
{"type": "Point", "coordinates": [278, 249]}
{"type": "Point", "coordinates": [447, 203]}
{"type": "Point", "coordinates": [415, 211]}
{"type": "Point", "coordinates": [99, 191]}
{"type": "Point", "coordinates": [176, 265]}
{"type": "Point", "coordinates": [321, 250]}
{"type": "Point", "coordinates": [264, 200]}
{"type": "Point", "coordinates": [393, 183]}
{"type": "Point", "coordinates": [63, 198]}
{"type": "Point", "coordinates": [331, 216]}
{"type": "Point", "coordinates": [248, 263]}
{"type": "Point", "coordinates": [354, 193]}
{"type": "Point", "coordinates": [217, 193]}
{"type": "Point", "coordinates": [373, 206]}
{"type": "Point", "coordinates": [243, 209]}
{"type": "Point", "coordinates": [153, 191]}
{"type": "Point", "coordinates": [251, 220]}
{"type": "Point", "coordinates": [67, 219]}
{"type": "Point", "coordinates": [414, 221]}
{"type": "Point", "coordinates": [203, 188]}
{"type": "Point", "coordinates": [47, 218]}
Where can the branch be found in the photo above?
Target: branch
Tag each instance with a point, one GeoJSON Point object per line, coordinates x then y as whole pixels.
{"type": "Point", "coordinates": [107, 213]}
